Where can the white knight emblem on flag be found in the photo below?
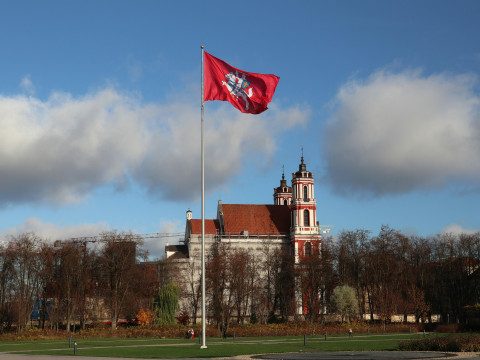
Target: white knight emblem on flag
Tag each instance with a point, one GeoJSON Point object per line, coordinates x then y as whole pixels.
{"type": "Point", "coordinates": [238, 87]}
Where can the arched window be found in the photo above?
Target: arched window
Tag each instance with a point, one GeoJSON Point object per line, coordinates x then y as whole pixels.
{"type": "Point", "coordinates": [306, 218]}
{"type": "Point", "coordinates": [305, 193]}
{"type": "Point", "coordinates": [308, 249]}
{"type": "Point", "coordinates": [285, 202]}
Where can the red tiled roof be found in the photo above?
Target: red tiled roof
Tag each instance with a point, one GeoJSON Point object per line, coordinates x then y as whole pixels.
{"type": "Point", "coordinates": [256, 219]}
{"type": "Point", "coordinates": [211, 226]}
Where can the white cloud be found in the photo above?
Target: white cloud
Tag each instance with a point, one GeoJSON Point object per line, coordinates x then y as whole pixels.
{"type": "Point", "coordinates": [57, 151]}
{"type": "Point", "coordinates": [457, 229]}
{"type": "Point", "coordinates": [27, 86]}
{"type": "Point", "coordinates": [286, 119]}
{"type": "Point", "coordinates": [172, 165]}
{"type": "Point", "coordinates": [51, 232]}
{"type": "Point", "coordinates": [396, 133]}
{"type": "Point", "coordinates": [171, 232]}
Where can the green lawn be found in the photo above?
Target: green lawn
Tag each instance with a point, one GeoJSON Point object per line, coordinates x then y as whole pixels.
{"type": "Point", "coordinates": [150, 348]}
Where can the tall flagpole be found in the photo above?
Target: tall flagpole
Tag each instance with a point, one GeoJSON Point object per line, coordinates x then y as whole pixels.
{"type": "Point", "coordinates": [204, 346]}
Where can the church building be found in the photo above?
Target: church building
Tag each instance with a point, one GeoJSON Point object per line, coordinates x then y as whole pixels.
{"type": "Point", "coordinates": [290, 224]}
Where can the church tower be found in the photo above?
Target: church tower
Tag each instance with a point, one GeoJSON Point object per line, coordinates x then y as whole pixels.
{"type": "Point", "coordinates": [304, 231]}
{"type": "Point", "coordinates": [282, 195]}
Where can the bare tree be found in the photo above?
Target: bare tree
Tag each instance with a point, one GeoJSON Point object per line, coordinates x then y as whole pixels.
{"type": "Point", "coordinates": [270, 268]}
{"type": "Point", "coordinates": [352, 250]}
{"type": "Point", "coordinates": [47, 273]}
{"type": "Point", "coordinates": [316, 275]}
{"type": "Point", "coordinates": [455, 264]}
{"type": "Point", "coordinates": [239, 282]}
{"type": "Point", "coordinates": [193, 286]}
{"type": "Point", "coordinates": [216, 277]}
{"type": "Point", "coordinates": [118, 270]}
{"type": "Point", "coordinates": [254, 287]}
{"type": "Point", "coordinates": [385, 273]}
{"type": "Point", "coordinates": [7, 272]}
{"type": "Point", "coordinates": [24, 253]}
{"type": "Point", "coordinates": [68, 279]}
{"type": "Point", "coordinates": [421, 288]}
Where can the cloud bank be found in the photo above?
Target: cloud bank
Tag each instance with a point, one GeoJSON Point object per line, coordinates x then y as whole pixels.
{"type": "Point", "coordinates": [59, 150]}
{"type": "Point", "coordinates": [398, 133]}
{"type": "Point", "coordinates": [170, 233]}
{"type": "Point", "coordinates": [457, 229]}
{"type": "Point", "coordinates": [51, 232]}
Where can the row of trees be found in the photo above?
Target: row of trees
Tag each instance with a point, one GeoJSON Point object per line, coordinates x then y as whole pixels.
{"type": "Point", "coordinates": [245, 285]}
{"type": "Point", "coordinates": [390, 274]}
{"type": "Point", "coordinates": [397, 274]}
{"type": "Point", "coordinates": [76, 281]}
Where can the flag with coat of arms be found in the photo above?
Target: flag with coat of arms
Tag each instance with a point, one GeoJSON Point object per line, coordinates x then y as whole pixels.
{"type": "Point", "coordinates": [248, 92]}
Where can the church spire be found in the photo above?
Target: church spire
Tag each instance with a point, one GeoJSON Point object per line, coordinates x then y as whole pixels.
{"type": "Point", "coordinates": [282, 195]}
{"type": "Point", "coordinates": [302, 166]}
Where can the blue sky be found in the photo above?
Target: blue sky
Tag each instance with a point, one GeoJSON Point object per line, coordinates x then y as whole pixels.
{"type": "Point", "coordinates": [100, 113]}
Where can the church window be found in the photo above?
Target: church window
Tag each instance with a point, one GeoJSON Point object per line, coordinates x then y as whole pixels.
{"type": "Point", "coordinates": [306, 218]}
{"type": "Point", "coordinates": [308, 249]}
{"type": "Point", "coordinates": [305, 193]}
{"type": "Point", "coordinates": [285, 202]}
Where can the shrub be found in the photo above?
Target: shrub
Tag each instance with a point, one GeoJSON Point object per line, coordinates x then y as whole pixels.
{"type": "Point", "coordinates": [178, 330]}
{"type": "Point", "coordinates": [449, 343]}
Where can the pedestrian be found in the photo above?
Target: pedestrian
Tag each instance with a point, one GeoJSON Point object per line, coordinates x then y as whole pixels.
{"type": "Point", "coordinates": [350, 333]}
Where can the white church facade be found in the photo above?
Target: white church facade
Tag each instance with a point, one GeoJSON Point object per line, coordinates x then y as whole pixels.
{"type": "Point", "coordinates": [289, 224]}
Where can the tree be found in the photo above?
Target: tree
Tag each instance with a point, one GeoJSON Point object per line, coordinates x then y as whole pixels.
{"type": "Point", "coordinates": [316, 275]}
{"type": "Point", "coordinates": [423, 287]}
{"type": "Point", "coordinates": [240, 281]}
{"type": "Point", "coordinates": [145, 316]}
{"type": "Point", "coordinates": [7, 272]}
{"type": "Point", "coordinates": [193, 286]}
{"type": "Point", "coordinates": [385, 272]}
{"type": "Point", "coordinates": [69, 282]}
{"type": "Point", "coordinates": [216, 278]}
{"type": "Point", "coordinates": [351, 252]}
{"type": "Point", "coordinates": [284, 285]}
{"type": "Point", "coordinates": [118, 271]}
{"type": "Point", "coordinates": [456, 262]}
{"type": "Point", "coordinates": [23, 254]}
{"type": "Point", "coordinates": [344, 302]}
{"type": "Point", "coordinates": [270, 267]}
{"type": "Point", "coordinates": [166, 303]}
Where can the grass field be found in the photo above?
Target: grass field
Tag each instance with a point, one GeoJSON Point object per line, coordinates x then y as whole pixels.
{"type": "Point", "coordinates": [150, 348]}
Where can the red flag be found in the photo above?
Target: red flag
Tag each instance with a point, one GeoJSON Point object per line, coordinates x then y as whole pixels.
{"type": "Point", "coordinates": [248, 92]}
